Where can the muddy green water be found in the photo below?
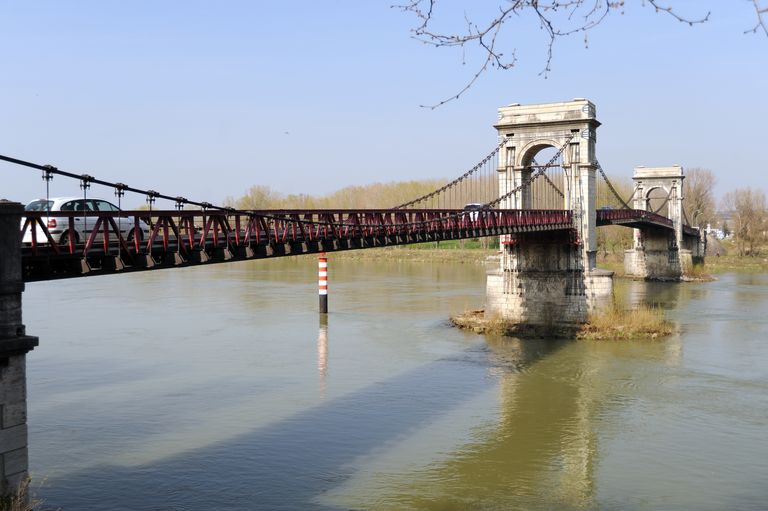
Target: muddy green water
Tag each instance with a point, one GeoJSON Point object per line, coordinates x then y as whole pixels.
{"type": "Point", "coordinates": [219, 388]}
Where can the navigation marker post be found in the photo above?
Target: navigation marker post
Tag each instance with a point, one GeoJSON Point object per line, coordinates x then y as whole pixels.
{"type": "Point", "coordinates": [322, 273]}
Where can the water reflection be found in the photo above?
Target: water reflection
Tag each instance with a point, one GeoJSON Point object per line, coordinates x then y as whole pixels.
{"type": "Point", "coordinates": [322, 352]}
{"type": "Point", "coordinates": [290, 464]}
{"type": "Point", "coordinates": [667, 295]}
{"type": "Point", "coordinates": [633, 293]}
{"type": "Point", "coordinates": [541, 451]}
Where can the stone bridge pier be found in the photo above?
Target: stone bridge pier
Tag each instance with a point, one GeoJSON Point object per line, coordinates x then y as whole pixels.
{"type": "Point", "coordinates": [14, 346]}
{"type": "Point", "coordinates": [542, 281]}
{"type": "Point", "coordinates": [662, 254]}
{"type": "Point", "coordinates": [549, 278]}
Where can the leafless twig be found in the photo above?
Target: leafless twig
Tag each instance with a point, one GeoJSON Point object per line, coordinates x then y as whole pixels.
{"type": "Point", "coordinates": [761, 11]}
{"type": "Point", "coordinates": [555, 17]}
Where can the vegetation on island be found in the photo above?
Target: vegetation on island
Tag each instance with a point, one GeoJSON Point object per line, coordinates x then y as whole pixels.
{"type": "Point", "coordinates": [619, 323]}
{"type": "Point", "coordinates": [614, 323]}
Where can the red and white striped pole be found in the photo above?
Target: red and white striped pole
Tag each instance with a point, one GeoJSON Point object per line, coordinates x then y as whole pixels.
{"type": "Point", "coordinates": [322, 273]}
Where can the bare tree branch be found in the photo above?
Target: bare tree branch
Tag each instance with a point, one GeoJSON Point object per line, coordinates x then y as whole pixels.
{"type": "Point", "coordinates": [762, 13]}
{"type": "Point", "coordinates": [668, 10]}
{"type": "Point", "coordinates": [558, 18]}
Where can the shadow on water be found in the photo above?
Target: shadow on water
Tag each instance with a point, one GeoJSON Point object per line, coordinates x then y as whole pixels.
{"type": "Point", "coordinates": [541, 453]}
{"type": "Point", "coordinates": [290, 464]}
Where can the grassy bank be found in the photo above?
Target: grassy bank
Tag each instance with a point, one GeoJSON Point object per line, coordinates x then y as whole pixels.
{"type": "Point", "coordinates": [612, 324]}
{"type": "Point", "coordinates": [713, 265]}
{"type": "Point", "coordinates": [471, 252]}
{"type": "Point", "coordinates": [474, 251]}
{"type": "Point", "coordinates": [733, 263]}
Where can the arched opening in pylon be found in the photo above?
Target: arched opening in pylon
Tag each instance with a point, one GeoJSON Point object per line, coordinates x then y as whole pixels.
{"type": "Point", "coordinates": [548, 187]}
{"type": "Point", "coordinates": [657, 201]}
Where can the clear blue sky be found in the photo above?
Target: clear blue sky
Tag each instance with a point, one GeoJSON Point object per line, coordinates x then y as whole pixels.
{"type": "Point", "coordinates": [204, 99]}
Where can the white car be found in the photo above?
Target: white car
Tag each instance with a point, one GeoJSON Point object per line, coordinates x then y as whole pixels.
{"type": "Point", "coordinates": [472, 210]}
{"type": "Point", "coordinates": [58, 226]}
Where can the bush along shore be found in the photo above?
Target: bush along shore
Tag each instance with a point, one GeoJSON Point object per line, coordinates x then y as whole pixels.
{"type": "Point", "coordinates": [611, 324]}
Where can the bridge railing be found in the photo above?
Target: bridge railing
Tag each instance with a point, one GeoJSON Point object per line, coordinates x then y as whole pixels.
{"type": "Point", "coordinates": [692, 231]}
{"type": "Point", "coordinates": [607, 216]}
{"type": "Point", "coordinates": [187, 230]}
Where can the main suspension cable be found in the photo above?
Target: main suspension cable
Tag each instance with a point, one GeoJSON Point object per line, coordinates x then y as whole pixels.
{"type": "Point", "coordinates": [611, 187]}
{"type": "Point", "coordinates": [450, 185]}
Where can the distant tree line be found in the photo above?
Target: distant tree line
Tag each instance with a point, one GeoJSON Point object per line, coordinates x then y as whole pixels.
{"type": "Point", "coordinates": [742, 214]}
{"type": "Point", "coordinates": [748, 213]}
{"type": "Point", "coordinates": [376, 195]}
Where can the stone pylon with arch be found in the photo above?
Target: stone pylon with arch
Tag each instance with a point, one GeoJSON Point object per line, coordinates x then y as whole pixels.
{"type": "Point", "coordinates": [549, 278]}
{"type": "Point", "coordinates": [660, 254]}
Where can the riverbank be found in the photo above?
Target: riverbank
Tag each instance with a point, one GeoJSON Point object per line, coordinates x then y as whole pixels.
{"type": "Point", "coordinates": [612, 324]}
{"type": "Point", "coordinates": [414, 253]}
{"type": "Point", "coordinates": [699, 273]}
{"type": "Point", "coordinates": [474, 253]}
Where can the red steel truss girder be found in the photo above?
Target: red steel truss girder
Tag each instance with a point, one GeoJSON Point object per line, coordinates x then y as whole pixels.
{"type": "Point", "coordinates": [284, 232]}
{"type": "Point", "coordinates": [193, 229]}
{"type": "Point", "coordinates": [196, 236]}
{"type": "Point", "coordinates": [302, 225]}
{"type": "Point", "coordinates": [638, 217]}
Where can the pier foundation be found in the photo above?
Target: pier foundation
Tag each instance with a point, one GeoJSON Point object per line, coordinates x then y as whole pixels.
{"type": "Point", "coordinates": [546, 284]}
{"type": "Point", "coordinates": [14, 345]}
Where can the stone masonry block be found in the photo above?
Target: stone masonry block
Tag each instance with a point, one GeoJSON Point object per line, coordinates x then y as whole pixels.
{"type": "Point", "coordinates": [13, 379]}
{"type": "Point", "coordinates": [13, 438]}
{"type": "Point", "coordinates": [13, 414]}
{"type": "Point", "coordinates": [15, 462]}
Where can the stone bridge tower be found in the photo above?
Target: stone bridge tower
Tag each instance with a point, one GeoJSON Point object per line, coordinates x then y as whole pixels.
{"type": "Point", "coordinates": [549, 278]}
{"type": "Point", "coordinates": [660, 254]}
{"type": "Point", "coordinates": [527, 129]}
{"type": "Point", "coordinates": [668, 179]}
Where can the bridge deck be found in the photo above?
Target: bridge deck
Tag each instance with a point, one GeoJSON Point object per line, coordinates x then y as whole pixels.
{"type": "Point", "coordinates": [183, 238]}
{"type": "Point", "coordinates": [639, 219]}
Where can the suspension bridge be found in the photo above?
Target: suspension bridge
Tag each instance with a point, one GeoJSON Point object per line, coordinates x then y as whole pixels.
{"type": "Point", "coordinates": [546, 215]}
{"type": "Point", "coordinates": [505, 198]}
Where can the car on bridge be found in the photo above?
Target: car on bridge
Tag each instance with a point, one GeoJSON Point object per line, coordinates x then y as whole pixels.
{"type": "Point", "coordinates": [58, 226]}
{"type": "Point", "coordinates": [472, 210]}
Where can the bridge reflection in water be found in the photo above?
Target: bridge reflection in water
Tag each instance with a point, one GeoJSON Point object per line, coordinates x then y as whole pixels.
{"type": "Point", "coordinates": [541, 452]}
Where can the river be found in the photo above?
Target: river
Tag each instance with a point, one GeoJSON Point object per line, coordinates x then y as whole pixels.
{"type": "Point", "coordinates": [218, 387]}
